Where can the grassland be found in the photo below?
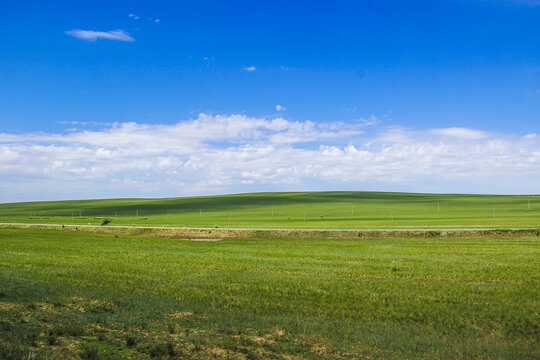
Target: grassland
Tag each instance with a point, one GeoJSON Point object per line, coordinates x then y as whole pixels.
{"type": "Point", "coordinates": [329, 210]}
{"type": "Point", "coordinates": [70, 294]}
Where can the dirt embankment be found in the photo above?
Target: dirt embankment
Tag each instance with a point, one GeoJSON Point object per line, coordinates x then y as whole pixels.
{"type": "Point", "coordinates": [273, 234]}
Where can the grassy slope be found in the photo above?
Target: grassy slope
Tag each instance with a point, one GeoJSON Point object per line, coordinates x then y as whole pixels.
{"type": "Point", "coordinates": [394, 299]}
{"type": "Point", "coordinates": [321, 209]}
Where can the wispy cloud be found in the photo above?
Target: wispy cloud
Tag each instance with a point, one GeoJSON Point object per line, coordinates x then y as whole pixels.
{"type": "Point", "coordinates": [250, 68]}
{"type": "Point", "coordinates": [91, 35]}
{"type": "Point", "coordinates": [530, 2]}
{"type": "Point", "coordinates": [280, 108]}
{"type": "Point", "coordinates": [136, 17]}
{"type": "Point", "coordinates": [85, 123]}
{"type": "Point", "coordinates": [460, 133]}
{"type": "Point", "coordinates": [370, 121]}
{"type": "Point", "coordinates": [232, 153]}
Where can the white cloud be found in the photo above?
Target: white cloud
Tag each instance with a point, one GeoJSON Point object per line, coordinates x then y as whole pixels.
{"type": "Point", "coordinates": [461, 133]}
{"type": "Point", "coordinates": [92, 35]}
{"type": "Point", "coordinates": [237, 153]}
{"type": "Point", "coordinates": [84, 123]}
{"type": "Point", "coordinates": [133, 16]}
{"type": "Point", "coordinates": [370, 121]}
{"type": "Point", "coordinates": [250, 68]}
{"type": "Point", "coordinates": [280, 108]}
{"type": "Point", "coordinates": [157, 20]}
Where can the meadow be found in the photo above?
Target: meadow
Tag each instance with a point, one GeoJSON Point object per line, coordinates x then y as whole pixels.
{"type": "Point", "coordinates": [328, 210]}
{"type": "Point", "coordinates": [75, 294]}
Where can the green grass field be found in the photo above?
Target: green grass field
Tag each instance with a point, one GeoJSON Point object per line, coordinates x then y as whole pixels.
{"type": "Point", "coordinates": [329, 210]}
{"type": "Point", "coordinates": [72, 294]}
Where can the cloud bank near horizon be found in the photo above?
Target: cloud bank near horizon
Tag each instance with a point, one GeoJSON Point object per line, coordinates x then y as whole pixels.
{"type": "Point", "coordinates": [238, 153]}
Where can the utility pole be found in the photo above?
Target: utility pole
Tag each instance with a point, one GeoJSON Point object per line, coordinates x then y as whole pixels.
{"type": "Point", "coordinates": [352, 210]}
{"type": "Point", "coordinates": [438, 208]}
{"type": "Point", "coordinates": [272, 211]}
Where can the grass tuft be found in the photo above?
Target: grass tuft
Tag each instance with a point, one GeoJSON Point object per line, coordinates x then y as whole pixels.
{"type": "Point", "coordinates": [90, 352]}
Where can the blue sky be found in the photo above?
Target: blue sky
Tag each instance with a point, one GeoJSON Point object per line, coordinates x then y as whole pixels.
{"type": "Point", "coordinates": [450, 88]}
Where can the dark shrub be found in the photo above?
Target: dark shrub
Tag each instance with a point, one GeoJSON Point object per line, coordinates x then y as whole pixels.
{"type": "Point", "coordinates": [5, 326]}
{"type": "Point", "coordinates": [170, 350]}
{"type": "Point", "coordinates": [131, 341]}
{"type": "Point", "coordinates": [74, 330]}
{"type": "Point", "coordinates": [158, 350]}
{"type": "Point", "coordinates": [90, 352]}
{"type": "Point", "coordinates": [51, 339]}
{"type": "Point", "coordinates": [15, 351]}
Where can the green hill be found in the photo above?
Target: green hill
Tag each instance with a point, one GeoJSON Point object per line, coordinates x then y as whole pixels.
{"type": "Point", "coordinates": [328, 210]}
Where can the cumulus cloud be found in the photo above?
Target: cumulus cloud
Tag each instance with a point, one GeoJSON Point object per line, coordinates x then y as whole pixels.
{"type": "Point", "coordinates": [250, 68]}
{"type": "Point", "coordinates": [280, 108]}
{"type": "Point", "coordinates": [133, 16]}
{"type": "Point", "coordinates": [236, 153]}
{"type": "Point", "coordinates": [91, 35]}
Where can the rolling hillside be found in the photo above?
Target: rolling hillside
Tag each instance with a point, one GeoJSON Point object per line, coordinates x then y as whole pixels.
{"type": "Point", "coordinates": [329, 210]}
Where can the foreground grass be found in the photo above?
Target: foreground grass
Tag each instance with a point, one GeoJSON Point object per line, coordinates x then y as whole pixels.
{"type": "Point", "coordinates": [329, 210]}
{"type": "Point", "coordinates": [66, 294]}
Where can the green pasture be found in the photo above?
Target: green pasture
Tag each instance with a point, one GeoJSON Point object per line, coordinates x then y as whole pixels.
{"type": "Point", "coordinates": [329, 210]}
{"type": "Point", "coordinates": [72, 294]}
